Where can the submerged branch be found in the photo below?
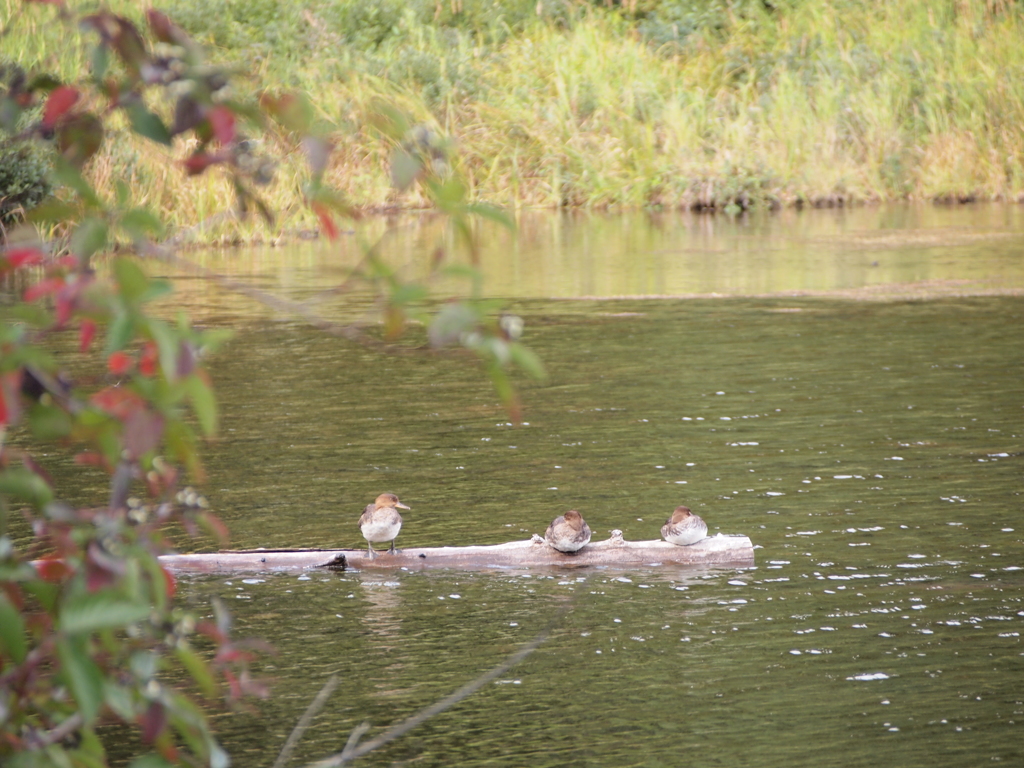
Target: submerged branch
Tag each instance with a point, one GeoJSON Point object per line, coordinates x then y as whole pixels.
{"type": "Point", "coordinates": [353, 749]}
{"type": "Point", "coordinates": [307, 717]}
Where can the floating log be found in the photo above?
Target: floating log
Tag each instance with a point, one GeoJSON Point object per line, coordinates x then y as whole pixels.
{"type": "Point", "coordinates": [615, 552]}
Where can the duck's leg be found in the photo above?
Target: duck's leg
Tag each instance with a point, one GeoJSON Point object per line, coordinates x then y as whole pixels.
{"type": "Point", "coordinates": [372, 554]}
{"type": "Point", "coordinates": [392, 550]}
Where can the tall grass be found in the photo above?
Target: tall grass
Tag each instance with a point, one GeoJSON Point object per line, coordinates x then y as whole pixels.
{"type": "Point", "coordinates": [711, 104]}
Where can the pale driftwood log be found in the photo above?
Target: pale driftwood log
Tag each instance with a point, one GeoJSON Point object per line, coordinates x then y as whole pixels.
{"type": "Point", "coordinates": [614, 552]}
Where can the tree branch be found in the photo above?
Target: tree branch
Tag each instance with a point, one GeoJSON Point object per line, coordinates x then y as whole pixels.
{"type": "Point", "coordinates": [307, 717]}
{"type": "Point", "coordinates": [353, 751]}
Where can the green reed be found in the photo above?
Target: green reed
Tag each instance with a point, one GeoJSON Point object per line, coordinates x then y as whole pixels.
{"type": "Point", "coordinates": [720, 104]}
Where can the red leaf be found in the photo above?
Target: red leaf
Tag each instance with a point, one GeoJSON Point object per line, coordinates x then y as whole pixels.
{"type": "Point", "coordinates": [163, 28]}
{"type": "Point", "coordinates": [211, 630]}
{"type": "Point", "coordinates": [97, 578]}
{"type": "Point", "coordinates": [14, 594]}
{"type": "Point", "coordinates": [215, 526]}
{"type": "Point", "coordinates": [199, 162]}
{"type": "Point", "coordinates": [326, 221]}
{"type": "Point", "coordinates": [119, 363]}
{"type": "Point", "coordinates": [222, 120]}
{"type": "Point", "coordinates": [148, 359]}
{"type": "Point", "coordinates": [92, 459]}
{"type": "Point", "coordinates": [119, 403]}
{"type": "Point", "coordinates": [65, 304]}
{"type": "Point", "coordinates": [233, 684]}
{"type": "Point", "coordinates": [51, 569]}
{"type": "Point", "coordinates": [143, 431]}
{"type": "Point", "coordinates": [153, 722]}
{"type": "Point", "coordinates": [61, 99]}
{"type": "Point", "coordinates": [10, 405]}
{"type": "Point", "coordinates": [43, 288]}
{"type": "Point", "coordinates": [170, 585]}
{"type": "Point", "coordinates": [85, 335]}
{"type": "Point", "coordinates": [165, 745]}
{"type": "Point", "coordinates": [24, 257]}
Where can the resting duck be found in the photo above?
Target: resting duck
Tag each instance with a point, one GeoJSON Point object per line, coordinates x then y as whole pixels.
{"type": "Point", "coordinates": [568, 533]}
{"type": "Point", "coordinates": [380, 521]}
{"type": "Point", "coordinates": [684, 528]}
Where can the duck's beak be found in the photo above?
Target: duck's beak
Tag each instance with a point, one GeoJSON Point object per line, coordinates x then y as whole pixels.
{"type": "Point", "coordinates": [400, 505]}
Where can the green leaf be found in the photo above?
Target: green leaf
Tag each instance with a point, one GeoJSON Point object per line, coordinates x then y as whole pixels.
{"type": "Point", "coordinates": [123, 193]}
{"type": "Point", "coordinates": [120, 332]}
{"type": "Point", "coordinates": [12, 571]}
{"type": "Point", "coordinates": [146, 123]}
{"type": "Point", "coordinates": [150, 761]}
{"type": "Point", "coordinates": [43, 591]}
{"type": "Point", "coordinates": [49, 422]}
{"type": "Point", "coordinates": [468, 272]}
{"type": "Point", "coordinates": [526, 359]}
{"type": "Point", "coordinates": [450, 193]}
{"type": "Point", "coordinates": [35, 315]}
{"type": "Point", "coordinates": [90, 752]}
{"type": "Point", "coordinates": [181, 441]}
{"type": "Point", "coordinates": [157, 290]}
{"type": "Point", "coordinates": [451, 323]}
{"type": "Point", "coordinates": [212, 340]}
{"type": "Point", "coordinates": [501, 381]}
{"type": "Point", "coordinates": [406, 293]}
{"type": "Point", "coordinates": [197, 668]}
{"type": "Point", "coordinates": [100, 610]}
{"type": "Point", "coordinates": [119, 699]}
{"type": "Point", "coordinates": [389, 120]}
{"type": "Point", "coordinates": [492, 213]}
{"type": "Point", "coordinates": [89, 237]}
{"type": "Point", "coordinates": [140, 223]}
{"type": "Point", "coordinates": [25, 485]}
{"type": "Point", "coordinates": [82, 675]}
{"type": "Point", "coordinates": [12, 631]}
{"type": "Point", "coordinates": [68, 175]}
{"type": "Point", "coordinates": [130, 278]}
{"type": "Point", "coordinates": [52, 210]}
{"type": "Point", "coordinates": [42, 82]}
{"type": "Point", "coordinates": [203, 403]}
{"type": "Point", "coordinates": [99, 60]}
{"type": "Point", "coordinates": [405, 167]}
{"type": "Point", "coordinates": [168, 344]}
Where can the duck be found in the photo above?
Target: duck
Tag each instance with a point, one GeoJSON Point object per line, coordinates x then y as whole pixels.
{"type": "Point", "coordinates": [684, 528]}
{"type": "Point", "coordinates": [380, 522]}
{"type": "Point", "coordinates": [568, 533]}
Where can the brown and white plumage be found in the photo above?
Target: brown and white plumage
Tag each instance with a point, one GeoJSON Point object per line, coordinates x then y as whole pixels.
{"type": "Point", "coordinates": [684, 528]}
{"type": "Point", "coordinates": [380, 521]}
{"type": "Point", "coordinates": [568, 533]}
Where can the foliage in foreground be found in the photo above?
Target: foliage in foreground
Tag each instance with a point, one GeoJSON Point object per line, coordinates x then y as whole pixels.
{"type": "Point", "coordinates": [89, 632]}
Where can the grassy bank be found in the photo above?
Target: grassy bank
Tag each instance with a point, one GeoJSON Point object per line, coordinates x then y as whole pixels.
{"type": "Point", "coordinates": [695, 104]}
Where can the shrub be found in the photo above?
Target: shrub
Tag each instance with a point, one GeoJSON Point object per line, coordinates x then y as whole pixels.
{"type": "Point", "coordinates": [24, 178]}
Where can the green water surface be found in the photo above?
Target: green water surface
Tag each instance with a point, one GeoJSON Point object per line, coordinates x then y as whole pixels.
{"type": "Point", "coordinates": [871, 450]}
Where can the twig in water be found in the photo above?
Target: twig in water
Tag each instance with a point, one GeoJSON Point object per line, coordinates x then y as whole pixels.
{"type": "Point", "coordinates": [307, 717]}
{"type": "Point", "coordinates": [355, 750]}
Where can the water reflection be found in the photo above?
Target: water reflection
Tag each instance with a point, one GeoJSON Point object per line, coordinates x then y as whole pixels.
{"type": "Point", "coordinates": [902, 250]}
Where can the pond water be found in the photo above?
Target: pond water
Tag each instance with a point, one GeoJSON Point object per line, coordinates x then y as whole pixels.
{"type": "Point", "coordinates": [871, 450]}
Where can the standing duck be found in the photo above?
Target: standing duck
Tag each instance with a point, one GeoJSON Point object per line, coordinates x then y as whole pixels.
{"type": "Point", "coordinates": [380, 521]}
{"type": "Point", "coordinates": [568, 533]}
{"type": "Point", "coordinates": [684, 528]}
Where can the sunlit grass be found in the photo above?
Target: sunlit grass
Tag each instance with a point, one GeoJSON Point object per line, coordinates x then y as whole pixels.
{"type": "Point", "coordinates": [815, 103]}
